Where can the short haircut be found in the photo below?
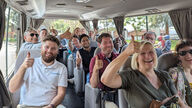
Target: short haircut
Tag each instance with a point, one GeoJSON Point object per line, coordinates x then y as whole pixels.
{"type": "Point", "coordinates": [44, 29]}
{"type": "Point", "coordinates": [52, 39]}
{"type": "Point", "coordinates": [99, 39]}
{"type": "Point", "coordinates": [29, 29]}
{"type": "Point", "coordinates": [82, 36]}
{"type": "Point", "coordinates": [182, 44]}
{"type": "Point", "coordinates": [150, 32]}
{"type": "Point", "coordinates": [75, 36]}
{"type": "Point", "coordinates": [134, 63]}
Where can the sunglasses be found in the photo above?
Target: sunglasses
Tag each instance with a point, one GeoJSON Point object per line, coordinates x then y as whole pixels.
{"type": "Point", "coordinates": [183, 53]}
{"type": "Point", "coordinates": [32, 34]}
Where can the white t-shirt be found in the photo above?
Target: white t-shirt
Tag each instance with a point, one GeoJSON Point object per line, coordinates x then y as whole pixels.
{"type": "Point", "coordinates": [41, 82]}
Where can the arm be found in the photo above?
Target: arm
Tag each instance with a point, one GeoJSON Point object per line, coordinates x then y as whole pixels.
{"type": "Point", "coordinates": [78, 60]}
{"type": "Point", "coordinates": [66, 35]}
{"type": "Point", "coordinates": [58, 98]}
{"type": "Point", "coordinates": [110, 76]}
{"type": "Point", "coordinates": [95, 66]}
{"type": "Point", "coordinates": [17, 80]}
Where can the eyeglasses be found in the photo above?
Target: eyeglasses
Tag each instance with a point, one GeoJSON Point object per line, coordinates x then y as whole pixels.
{"type": "Point", "coordinates": [32, 34]}
{"type": "Point", "coordinates": [183, 53]}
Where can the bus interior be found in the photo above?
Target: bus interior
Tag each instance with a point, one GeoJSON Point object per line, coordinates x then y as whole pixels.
{"type": "Point", "coordinates": [104, 15]}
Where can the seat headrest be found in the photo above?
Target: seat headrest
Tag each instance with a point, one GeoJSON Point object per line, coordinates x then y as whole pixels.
{"type": "Point", "coordinates": [167, 61]}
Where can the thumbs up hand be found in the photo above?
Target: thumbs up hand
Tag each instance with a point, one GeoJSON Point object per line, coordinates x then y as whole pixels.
{"type": "Point", "coordinates": [98, 63]}
{"type": "Point", "coordinates": [28, 62]}
{"type": "Point", "coordinates": [67, 34]}
{"type": "Point", "coordinates": [78, 59]}
{"type": "Point", "coordinates": [133, 46]}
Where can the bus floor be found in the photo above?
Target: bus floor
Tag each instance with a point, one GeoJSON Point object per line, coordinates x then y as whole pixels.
{"type": "Point", "coordinates": [72, 100]}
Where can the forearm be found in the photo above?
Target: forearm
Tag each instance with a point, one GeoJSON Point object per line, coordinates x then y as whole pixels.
{"type": "Point", "coordinates": [110, 72]}
{"type": "Point", "coordinates": [58, 98]}
{"type": "Point", "coordinates": [17, 80]}
{"type": "Point", "coordinates": [94, 78]}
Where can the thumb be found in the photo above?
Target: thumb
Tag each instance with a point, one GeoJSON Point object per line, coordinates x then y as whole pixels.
{"type": "Point", "coordinates": [96, 58]}
{"type": "Point", "coordinates": [68, 29]}
{"type": "Point", "coordinates": [78, 56]}
{"type": "Point", "coordinates": [28, 55]}
{"type": "Point", "coordinates": [132, 38]}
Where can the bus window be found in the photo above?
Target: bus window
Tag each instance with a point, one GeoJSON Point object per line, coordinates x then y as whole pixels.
{"type": "Point", "coordinates": [10, 42]}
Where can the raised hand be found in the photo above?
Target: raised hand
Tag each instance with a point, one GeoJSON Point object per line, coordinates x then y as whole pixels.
{"type": "Point", "coordinates": [67, 34]}
{"type": "Point", "coordinates": [28, 62]}
{"type": "Point", "coordinates": [98, 63]}
{"type": "Point", "coordinates": [78, 59]}
{"type": "Point", "coordinates": [133, 46]}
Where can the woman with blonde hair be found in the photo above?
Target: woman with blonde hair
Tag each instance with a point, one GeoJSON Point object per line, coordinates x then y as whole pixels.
{"type": "Point", "coordinates": [143, 84]}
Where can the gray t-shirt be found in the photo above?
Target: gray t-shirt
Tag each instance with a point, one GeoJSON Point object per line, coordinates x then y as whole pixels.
{"type": "Point", "coordinates": [140, 92]}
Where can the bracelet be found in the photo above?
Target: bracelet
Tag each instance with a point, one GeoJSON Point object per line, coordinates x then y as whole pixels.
{"type": "Point", "coordinates": [52, 105]}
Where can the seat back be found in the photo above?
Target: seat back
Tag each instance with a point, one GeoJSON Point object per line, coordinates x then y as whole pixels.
{"type": "Point", "coordinates": [5, 100]}
{"type": "Point", "coordinates": [91, 97]}
{"type": "Point", "coordinates": [121, 92]}
{"type": "Point", "coordinates": [167, 61]}
{"type": "Point", "coordinates": [79, 80]}
{"type": "Point", "coordinates": [21, 57]}
{"type": "Point", "coordinates": [70, 66]}
{"type": "Point", "coordinates": [65, 55]}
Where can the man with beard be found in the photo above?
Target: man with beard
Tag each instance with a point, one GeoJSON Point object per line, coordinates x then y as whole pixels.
{"type": "Point", "coordinates": [44, 79]}
{"type": "Point", "coordinates": [85, 54]}
{"type": "Point", "coordinates": [98, 65]}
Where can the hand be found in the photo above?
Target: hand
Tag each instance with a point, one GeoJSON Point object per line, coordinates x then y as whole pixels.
{"type": "Point", "coordinates": [133, 46]}
{"type": "Point", "coordinates": [28, 62]}
{"type": "Point", "coordinates": [78, 59]}
{"type": "Point", "coordinates": [98, 63]}
{"type": "Point", "coordinates": [66, 35]}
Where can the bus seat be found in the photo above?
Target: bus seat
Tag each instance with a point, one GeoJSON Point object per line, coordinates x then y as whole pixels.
{"type": "Point", "coordinates": [79, 80]}
{"type": "Point", "coordinates": [167, 61]}
{"type": "Point", "coordinates": [121, 98]}
{"type": "Point", "coordinates": [121, 92]}
{"type": "Point", "coordinates": [65, 54]}
{"type": "Point", "coordinates": [70, 66]}
{"type": "Point", "coordinates": [21, 57]}
{"type": "Point", "coordinates": [91, 96]}
{"type": "Point", "coordinates": [5, 100]}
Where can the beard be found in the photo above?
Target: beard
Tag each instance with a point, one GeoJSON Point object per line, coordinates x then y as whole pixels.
{"type": "Point", "coordinates": [48, 59]}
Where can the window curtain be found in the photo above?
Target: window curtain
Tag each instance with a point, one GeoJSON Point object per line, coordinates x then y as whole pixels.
{"type": "Point", "coordinates": [23, 25]}
{"type": "Point", "coordinates": [95, 24]}
{"type": "Point", "coordinates": [182, 21]}
{"type": "Point", "coordinates": [36, 23]}
{"type": "Point", "coordinates": [3, 5]}
{"type": "Point", "coordinates": [119, 24]}
{"type": "Point", "coordinates": [86, 25]}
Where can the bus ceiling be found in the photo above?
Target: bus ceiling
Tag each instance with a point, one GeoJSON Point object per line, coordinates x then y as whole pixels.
{"type": "Point", "coordinates": [95, 9]}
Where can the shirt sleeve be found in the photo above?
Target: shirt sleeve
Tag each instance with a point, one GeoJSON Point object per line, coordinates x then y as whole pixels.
{"type": "Point", "coordinates": [91, 66]}
{"type": "Point", "coordinates": [63, 78]}
{"type": "Point", "coordinates": [127, 78]}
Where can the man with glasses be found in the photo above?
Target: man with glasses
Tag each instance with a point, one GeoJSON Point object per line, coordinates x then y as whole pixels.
{"type": "Point", "coordinates": [30, 37]}
{"type": "Point", "coordinates": [151, 36]}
